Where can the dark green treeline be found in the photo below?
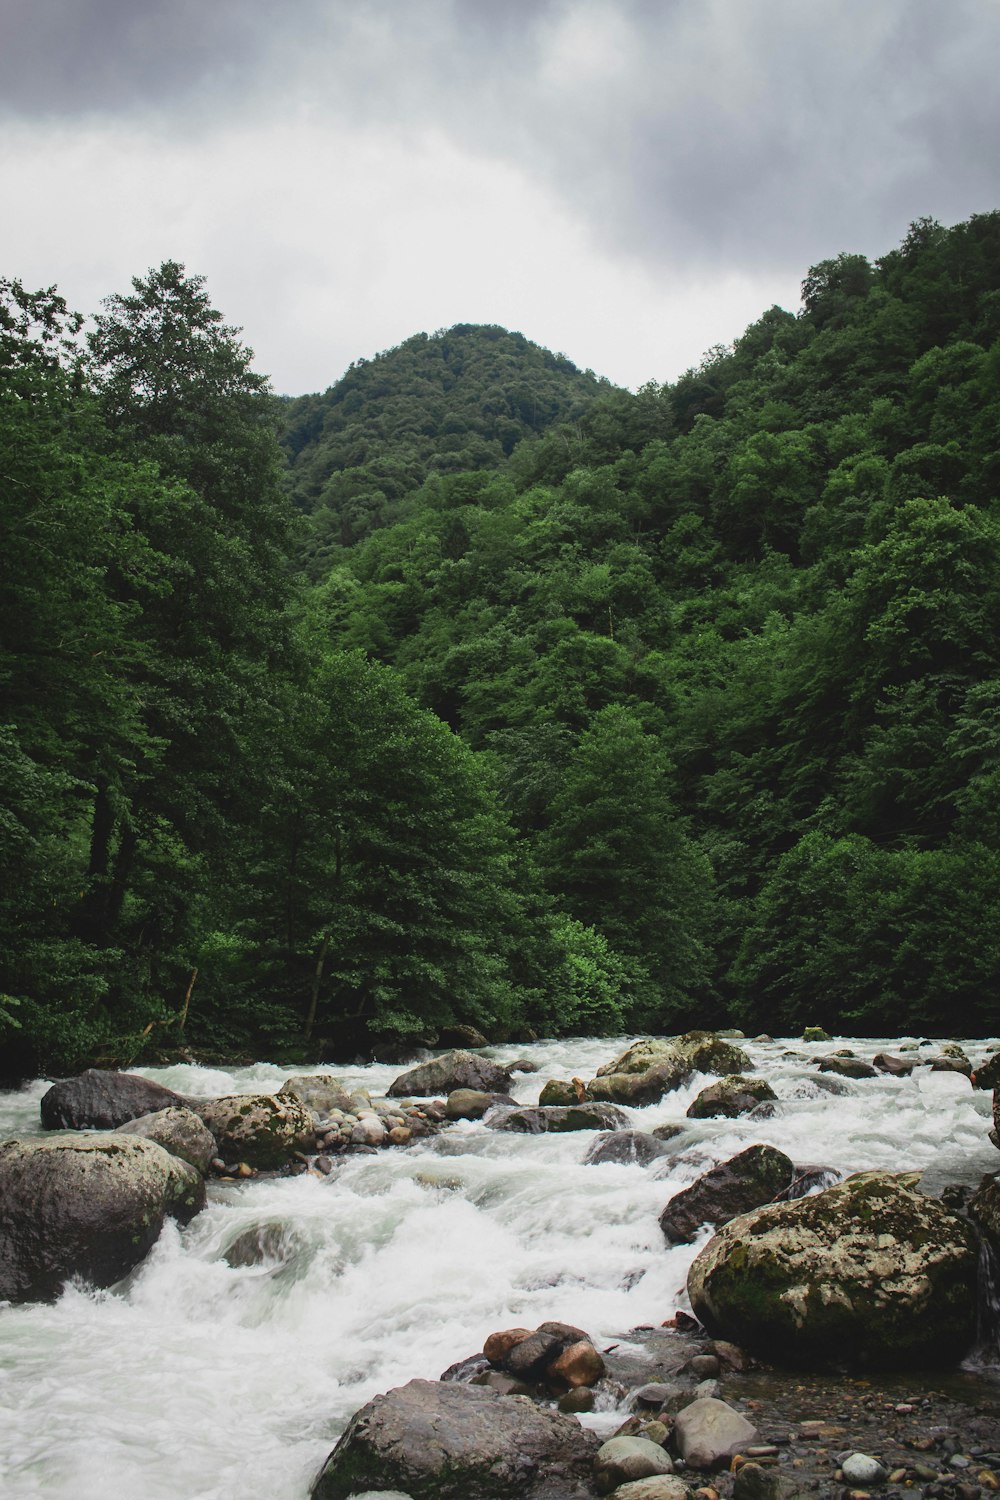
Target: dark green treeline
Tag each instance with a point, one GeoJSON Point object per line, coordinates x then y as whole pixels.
{"type": "Point", "coordinates": [497, 695]}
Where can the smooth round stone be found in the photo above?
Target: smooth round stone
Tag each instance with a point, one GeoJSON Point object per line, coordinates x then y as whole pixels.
{"type": "Point", "coordinates": [624, 1458]}
{"type": "Point", "coordinates": [859, 1468]}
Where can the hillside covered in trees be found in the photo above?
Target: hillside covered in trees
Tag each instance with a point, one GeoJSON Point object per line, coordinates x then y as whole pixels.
{"type": "Point", "coordinates": [478, 691]}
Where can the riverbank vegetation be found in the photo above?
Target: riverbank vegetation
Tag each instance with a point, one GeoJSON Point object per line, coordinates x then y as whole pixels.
{"type": "Point", "coordinates": [477, 691]}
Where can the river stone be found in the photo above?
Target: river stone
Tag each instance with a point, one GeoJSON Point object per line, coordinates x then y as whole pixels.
{"type": "Point", "coordinates": [867, 1274]}
{"type": "Point", "coordinates": [472, 1104]}
{"type": "Point", "coordinates": [952, 1065]}
{"type": "Point", "coordinates": [85, 1205]}
{"type": "Point", "coordinates": [730, 1096]}
{"type": "Point", "coordinates": [753, 1177]}
{"type": "Point", "coordinates": [816, 1034]}
{"type": "Point", "coordinates": [647, 1070]}
{"type": "Point", "coordinates": [710, 1431]}
{"type": "Point", "coordinates": [528, 1120]}
{"type": "Point", "coordinates": [656, 1487]}
{"type": "Point", "coordinates": [860, 1468]}
{"type": "Point", "coordinates": [450, 1071]}
{"type": "Point", "coordinates": [319, 1092]}
{"type": "Point", "coordinates": [755, 1482]}
{"type": "Point", "coordinates": [179, 1131]}
{"type": "Point", "coordinates": [846, 1067]}
{"type": "Point", "coordinates": [459, 1442]}
{"type": "Point", "coordinates": [984, 1209]}
{"type": "Point", "coordinates": [896, 1067]}
{"type": "Point", "coordinates": [579, 1364]}
{"type": "Point", "coordinates": [627, 1147]}
{"type": "Point", "coordinates": [559, 1091]}
{"type": "Point", "coordinates": [102, 1100]}
{"type": "Point", "coordinates": [261, 1129]}
{"type": "Point", "coordinates": [987, 1075]}
{"type": "Point", "coordinates": [624, 1458]}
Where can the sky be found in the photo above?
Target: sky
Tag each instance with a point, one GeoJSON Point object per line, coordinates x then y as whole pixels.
{"type": "Point", "coordinates": [628, 182]}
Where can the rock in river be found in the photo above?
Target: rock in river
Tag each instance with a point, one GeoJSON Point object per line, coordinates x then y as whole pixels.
{"type": "Point", "coordinates": [261, 1129]}
{"type": "Point", "coordinates": [452, 1070]}
{"type": "Point", "coordinates": [753, 1177]}
{"type": "Point", "coordinates": [85, 1205]}
{"type": "Point", "coordinates": [439, 1441]}
{"type": "Point", "coordinates": [100, 1099]}
{"type": "Point", "coordinates": [534, 1119]}
{"type": "Point", "coordinates": [868, 1274]}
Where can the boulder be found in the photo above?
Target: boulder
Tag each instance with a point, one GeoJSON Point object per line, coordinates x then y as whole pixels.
{"type": "Point", "coordinates": [319, 1092]}
{"type": "Point", "coordinates": [533, 1120]}
{"type": "Point", "coordinates": [984, 1210]}
{"type": "Point", "coordinates": [85, 1205]}
{"type": "Point", "coordinates": [847, 1067]}
{"type": "Point", "coordinates": [621, 1459]}
{"type": "Point", "coordinates": [578, 1365]}
{"type": "Point", "coordinates": [756, 1176]}
{"type": "Point", "coordinates": [647, 1070]}
{"type": "Point", "coordinates": [102, 1100]}
{"type": "Point", "coordinates": [709, 1432]}
{"type": "Point", "coordinates": [867, 1274]}
{"type": "Point", "coordinates": [947, 1064]}
{"type": "Point", "coordinates": [441, 1441]}
{"type": "Point", "coordinates": [179, 1131]}
{"type": "Point", "coordinates": [262, 1130]}
{"type": "Point", "coordinates": [896, 1067]}
{"type": "Point", "coordinates": [816, 1034]}
{"type": "Point", "coordinates": [987, 1075]}
{"type": "Point", "coordinates": [627, 1147]}
{"type": "Point", "coordinates": [461, 1036]}
{"type": "Point", "coordinates": [450, 1071]}
{"type": "Point", "coordinates": [559, 1091]}
{"type": "Point", "coordinates": [730, 1096]}
{"type": "Point", "coordinates": [472, 1104]}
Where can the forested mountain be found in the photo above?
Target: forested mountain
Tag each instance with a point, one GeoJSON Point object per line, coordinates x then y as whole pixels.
{"type": "Point", "coordinates": [457, 401]}
{"type": "Point", "coordinates": [636, 711]}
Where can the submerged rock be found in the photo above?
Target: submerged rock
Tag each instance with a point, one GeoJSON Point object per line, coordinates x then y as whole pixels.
{"type": "Point", "coordinates": [867, 1274]}
{"type": "Point", "coordinates": [262, 1130]}
{"type": "Point", "coordinates": [442, 1441]}
{"type": "Point", "coordinates": [533, 1120]}
{"type": "Point", "coordinates": [453, 1070]}
{"type": "Point", "coordinates": [85, 1205]}
{"type": "Point", "coordinates": [100, 1099]}
{"type": "Point", "coordinates": [753, 1177]}
{"type": "Point", "coordinates": [627, 1146]}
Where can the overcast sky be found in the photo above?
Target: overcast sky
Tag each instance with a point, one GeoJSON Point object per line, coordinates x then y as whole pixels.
{"type": "Point", "coordinates": [627, 181]}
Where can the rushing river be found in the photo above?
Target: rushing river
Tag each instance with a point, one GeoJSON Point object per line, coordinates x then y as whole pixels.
{"type": "Point", "coordinates": [197, 1379]}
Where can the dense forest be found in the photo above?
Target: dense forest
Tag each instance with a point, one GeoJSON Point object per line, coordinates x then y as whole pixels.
{"type": "Point", "coordinates": [476, 691]}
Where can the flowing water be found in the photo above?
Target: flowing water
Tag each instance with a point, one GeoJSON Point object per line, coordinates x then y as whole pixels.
{"type": "Point", "coordinates": [202, 1377]}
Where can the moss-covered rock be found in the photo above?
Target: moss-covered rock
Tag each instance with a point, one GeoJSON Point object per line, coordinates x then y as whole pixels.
{"type": "Point", "coordinates": [263, 1130]}
{"type": "Point", "coordinates": [868, 1274]}
{"type": "Point", "coordinates": [648, 1069]}
{"type": "Point", "coordinates": [731, 1096]}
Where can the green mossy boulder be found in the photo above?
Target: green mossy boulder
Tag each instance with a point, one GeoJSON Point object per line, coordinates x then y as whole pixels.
{"type": "Point", "coordinates": [869, 1274]}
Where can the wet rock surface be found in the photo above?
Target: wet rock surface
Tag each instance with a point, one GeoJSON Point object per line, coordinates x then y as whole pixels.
{"type": "Point", "coordinates": [868, 1273]}
{"type": "Point", "coordinates": [753, 1177]}
{"type": "Point", "coordinates": [85, 1205]}
{"type": "Point", "coordinates": [98, 1099]}
{"type": "Point", "coordinates": [453, 1070]}
{"type": "Point", "coordinates": [440, 1441]}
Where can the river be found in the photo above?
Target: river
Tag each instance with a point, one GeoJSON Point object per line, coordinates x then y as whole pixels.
{"type": "Point", "coordinates": [198, 1379]}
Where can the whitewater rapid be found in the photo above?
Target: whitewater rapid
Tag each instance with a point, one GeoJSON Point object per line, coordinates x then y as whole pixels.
{"type": "Point", "coordinates": [214, 1374]}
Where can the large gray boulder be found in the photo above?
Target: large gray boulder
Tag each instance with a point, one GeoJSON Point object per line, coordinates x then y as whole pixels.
{"type": "Point", "coordinates": [534, 1119]}
{"type": "Point", "coordinates": [102, 1100]}
{"type": "Point", "coordinates": [754, 1177]}
{"type": "Point", "coordinates": [867, 1274]}
{"type": "Point", "coordinates": [263, 1130]}
{"type": "Point", "coordinates": [319, 1092]}
{"type": "Point", "coordinates": [452, 1070]}
{"type": "Point", "coordinates": [85, 1205]}
{"type": "Point", "coordinates": [648, 1069]}
{"type": "Point", "coordinates": [179, 1131]}
{"type": "Point", "coordinates": [441, 1441]}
